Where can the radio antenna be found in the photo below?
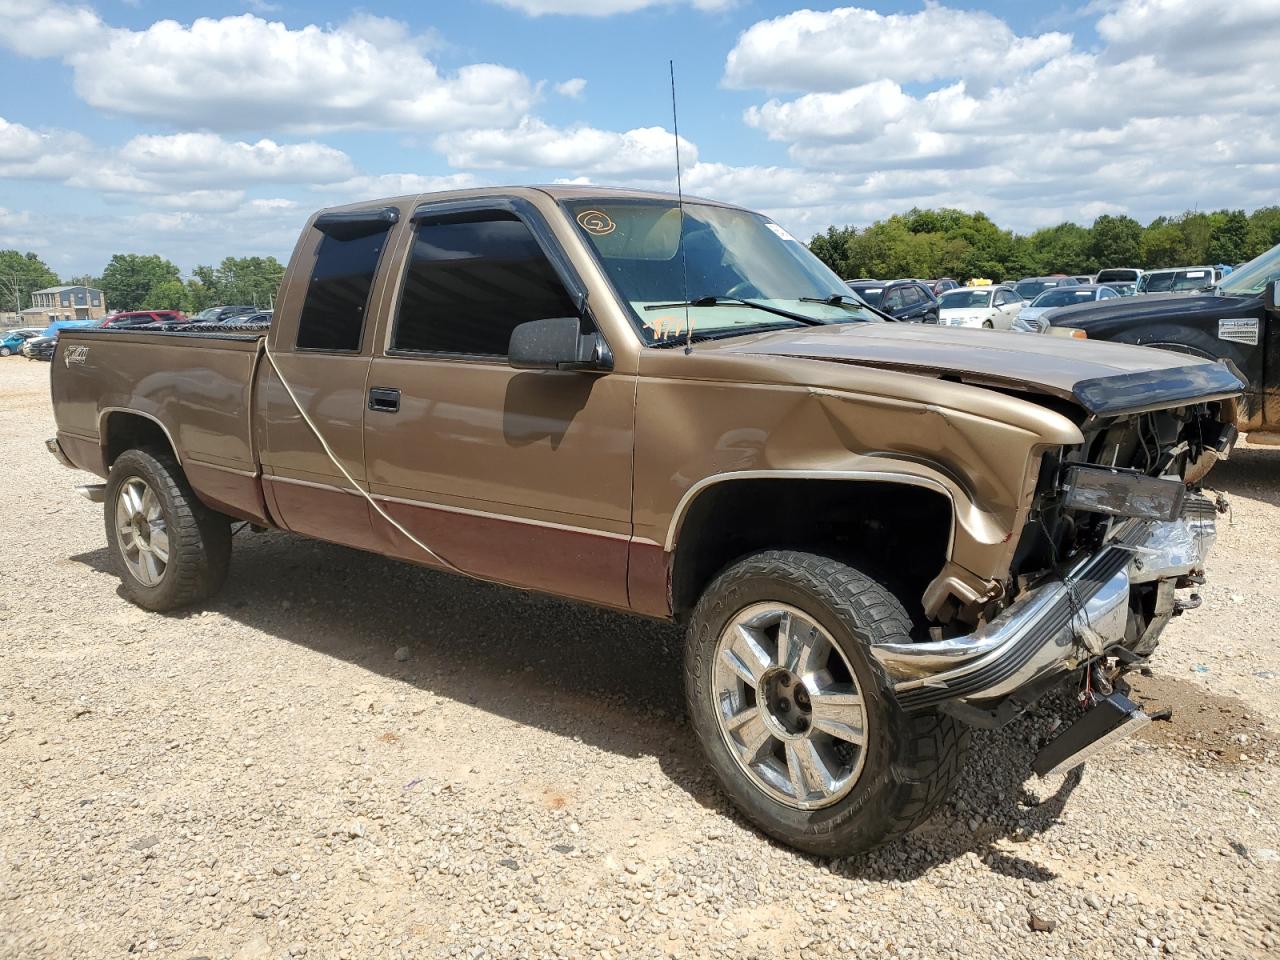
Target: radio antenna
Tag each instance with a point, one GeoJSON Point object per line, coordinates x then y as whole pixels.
{"type": "Point", "coordinates": [684, 259]}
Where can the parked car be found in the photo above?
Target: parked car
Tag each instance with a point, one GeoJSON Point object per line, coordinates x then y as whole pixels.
{"type": "Point", "coordinates": [1084, 278]}
{"type": "Point", "coordinates": [941, 286]}
{"type": "Point", "coordinates": [42, 346]}
{"type": "Point", "coordinates": [13, 341]}
{"type": "Point", "coordinates": [140, 318]}
{"type": "Point", "coordinates": [1123, 280]}
{"type": "Point", "coordinates": [1031, 287]}
{"type": "Point", "coordinates": [39, 348]}
{"type": "Point", "coordinates": [1233, 321]}
{"type": "Point", "coordinates": [547, 405]}
{"type": "Point", "coordinates": [906, 300]}
{"type": "Point", "coordinates": [1179, 280]}
{"type": "Point", "coordinates": [991, 307]}
{"type": "Point", "coordinates": [1030, 318]}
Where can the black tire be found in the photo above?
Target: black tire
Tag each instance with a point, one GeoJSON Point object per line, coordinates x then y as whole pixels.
{"type": "Point", "coordinates": [199, 538]}
{"type": "Point", "coordinates": [988, 325]}
{"type": "Point", "coordinates": [912, 760]}
{"type": "Point", "coordinates": [5, 352]}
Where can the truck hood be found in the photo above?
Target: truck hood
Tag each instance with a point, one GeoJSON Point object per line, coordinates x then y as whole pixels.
{"type": "Point", "coordinates": [1113, 315]}
{"type": "Point", "coordinates": [1103, 378]}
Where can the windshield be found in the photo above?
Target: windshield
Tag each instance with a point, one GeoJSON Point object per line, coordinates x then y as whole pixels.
{"type": "Point", "coordinates": [1030, 289]}
{"type": "Point", "coordinates": [1062, 297]}
{"type": "Point", "coordinates": [725, 252]}
{"type": "Point", "coordinates": [1249, 280]}
{"type": "Point", "coordinates": [964, 299]}
{"type": "Point", "coordinates": [1111, 276]}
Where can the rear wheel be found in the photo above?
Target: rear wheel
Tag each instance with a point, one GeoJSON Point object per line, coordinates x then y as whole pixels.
{"type": "Point", "coordinates": [171, 549]}
{"type": "Point", "coordinates": [5, 352]}
{"type": "Point", "coordinates": [798, 724]}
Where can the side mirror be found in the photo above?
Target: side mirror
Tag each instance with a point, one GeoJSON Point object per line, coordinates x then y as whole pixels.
{"type": "Point", "coordinates": [1271, 296]}
{"type": "Point", "coordinates": [557, 344]}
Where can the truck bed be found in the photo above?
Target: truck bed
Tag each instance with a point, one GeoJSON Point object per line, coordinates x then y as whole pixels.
{"type": "Point", "coordinates": [195, 386]}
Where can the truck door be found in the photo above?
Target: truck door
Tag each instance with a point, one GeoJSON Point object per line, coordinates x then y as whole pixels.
{"type": "Point", "coordinates": [518, 476]}
{"type": "Point", "coordinates": [322, 345]}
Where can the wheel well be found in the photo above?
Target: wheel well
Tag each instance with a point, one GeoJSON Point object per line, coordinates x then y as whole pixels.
{"type": "Point", "coordinates": [123, 431]}
{"type": "Point", "coordinates": [896, 533]}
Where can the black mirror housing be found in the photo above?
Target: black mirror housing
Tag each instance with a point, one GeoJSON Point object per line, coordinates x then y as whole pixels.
{"type": "Point", "coordinates": [557, 344]}
{"type": "Point", "coordinates": [1271, 296]}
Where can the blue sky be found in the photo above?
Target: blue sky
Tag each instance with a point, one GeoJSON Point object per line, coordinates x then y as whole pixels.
{"type": "Point", "coordinates": [211, 129]}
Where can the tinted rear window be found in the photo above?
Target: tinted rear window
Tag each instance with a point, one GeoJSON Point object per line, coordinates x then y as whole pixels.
{"type": "Point", "coordinates": [333, 314]}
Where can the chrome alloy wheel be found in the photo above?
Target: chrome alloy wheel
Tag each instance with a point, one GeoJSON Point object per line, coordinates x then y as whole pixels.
{"type": "Point", "coordinates": [789, 706]}
{"type": "Point", "coordinates": [143, 530]}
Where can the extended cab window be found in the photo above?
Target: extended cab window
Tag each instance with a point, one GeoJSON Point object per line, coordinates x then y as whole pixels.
{"type": "Point", "coordinates": [333, 313]}
{"type": "Point", "coordinates": [471, 280]}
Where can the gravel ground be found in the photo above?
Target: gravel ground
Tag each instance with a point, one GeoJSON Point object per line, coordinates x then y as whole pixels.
{"type": "Point", "coordinates": [348, 757]}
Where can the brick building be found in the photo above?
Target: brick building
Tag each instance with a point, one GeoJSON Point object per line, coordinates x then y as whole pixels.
{"type": "Point", "coordinates": [65, 303]}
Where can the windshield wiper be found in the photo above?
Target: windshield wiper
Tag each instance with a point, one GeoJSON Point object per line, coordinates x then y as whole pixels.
{"type": "Point", "coordinates": [720, 333]}
{"type": "Point", "coordinates": [737, 301]}
{"type": "Point", "coordinates": [844, 300]}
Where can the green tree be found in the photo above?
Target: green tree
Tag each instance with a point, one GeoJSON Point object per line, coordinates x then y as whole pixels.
{"type": "Point", "coordinates": [21, 274]}
{"type": "Point", "coordinates": [1264, 231]}
{"type": "Point", "coordinates": [832, 248]}
{"type": "Point", "coordinates": [1229, 239]}
{"type": "Point", "coordinates": [248, 280]}
{"type": "Point", "coordinates": [1114, 242]}
{"type": "Point", "coordinates": [1060, 249]}
{"type": "Point", "coordinates": [168, 294]}
{"type": "Point", "coordinates": [129, 277]}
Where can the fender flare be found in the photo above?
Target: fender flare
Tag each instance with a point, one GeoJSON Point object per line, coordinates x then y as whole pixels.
{"type": "Point", "coordinates": [920, 478]}
{"type": "Point", "coordinates": [106, 412]}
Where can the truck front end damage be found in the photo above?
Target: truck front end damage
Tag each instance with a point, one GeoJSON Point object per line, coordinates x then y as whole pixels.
{"type": "Point", "coordinates": [1113, 548]}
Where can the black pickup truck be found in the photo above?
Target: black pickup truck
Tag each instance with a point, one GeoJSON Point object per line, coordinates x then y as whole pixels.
{"type": "Point", "coordinates": [1238, 319]}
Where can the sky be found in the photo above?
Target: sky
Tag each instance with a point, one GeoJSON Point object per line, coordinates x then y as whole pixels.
{"type": "Point", "coordinates": [213, 129]}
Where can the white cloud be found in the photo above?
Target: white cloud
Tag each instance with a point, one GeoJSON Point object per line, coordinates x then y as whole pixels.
{"type": "Point", "coordinates": [572, 88]}
{"type": "Point", "coordinates": [534, 144]}
{"type": "Point", "coordinates": [370, 186]}
{"type": "Point", "coordinates": [209, 159]}
{"type": "Point", "coordinates": [202, 165]}
{"type": "Point", "coordinates": [602, 8]}
{"type": "Point", "coordinates": [245, 72]}
{"type": "Point", "coordinates": [1146, 124]}
{"type": "Point", "coordinates": [850, 46]}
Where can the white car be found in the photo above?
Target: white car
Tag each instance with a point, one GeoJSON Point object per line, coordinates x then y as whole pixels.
{"type": "Point", "coordinates": [993, 308]}
{"type": "Point", "coordinates": [1029, 318]}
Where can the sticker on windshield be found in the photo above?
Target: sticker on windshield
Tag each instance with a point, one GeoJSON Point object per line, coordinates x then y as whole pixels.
{"type": "Point", "coordinates": [596, 222]}
{"type": "Point", "coordinates": [780, 232]}
{"type": "Point", "coordinates": [1243, 330]}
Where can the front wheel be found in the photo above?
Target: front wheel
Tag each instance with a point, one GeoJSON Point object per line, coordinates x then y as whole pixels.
{"type": "Point", "coordinates": [172, 550]}
{"type": "Point", "coordinates": [988, 325]}
{"type": "Point", "coordinates": [798, 724]}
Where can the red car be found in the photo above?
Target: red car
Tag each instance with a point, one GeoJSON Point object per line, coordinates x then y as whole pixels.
{"type": "Point", "coordinates": [136, 318]}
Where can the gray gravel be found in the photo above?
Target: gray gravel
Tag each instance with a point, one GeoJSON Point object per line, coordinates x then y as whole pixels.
{"type": "Point", "coordinates": [347, 757]}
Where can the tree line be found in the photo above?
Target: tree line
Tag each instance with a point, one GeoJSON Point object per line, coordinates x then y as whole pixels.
{"type": "Point", "coordinates": [953, 243]}
{"type": "Point", "coordinates": [132, 281]}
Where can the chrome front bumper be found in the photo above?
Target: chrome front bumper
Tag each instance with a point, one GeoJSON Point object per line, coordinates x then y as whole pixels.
{"type": "Point", "coordinates": [1057, 626]}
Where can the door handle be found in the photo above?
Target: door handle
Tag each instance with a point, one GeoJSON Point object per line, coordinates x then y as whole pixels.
{"type": "Point", "coordinates": [384, 399]}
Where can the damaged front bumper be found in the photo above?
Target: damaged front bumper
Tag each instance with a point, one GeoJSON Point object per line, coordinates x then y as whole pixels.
{"type": "Point", "coordinates": [1057, 626]}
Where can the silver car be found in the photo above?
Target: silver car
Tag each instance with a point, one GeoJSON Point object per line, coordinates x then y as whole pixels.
{"type": "Point", "coordinates": [1030, 318]}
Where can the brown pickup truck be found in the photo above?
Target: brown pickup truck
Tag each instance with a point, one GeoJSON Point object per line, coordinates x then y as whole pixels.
{"type": "Point", "coordinates": [878, 534]}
